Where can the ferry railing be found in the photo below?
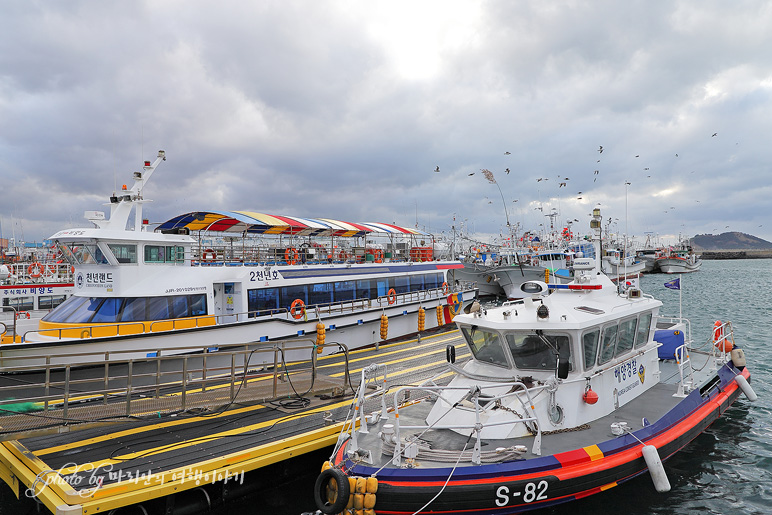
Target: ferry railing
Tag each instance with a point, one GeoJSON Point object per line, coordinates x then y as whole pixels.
{"type": "Point", "coordinates": [15, 313]}
{"type": "Point", "coordinates": [159, 383]}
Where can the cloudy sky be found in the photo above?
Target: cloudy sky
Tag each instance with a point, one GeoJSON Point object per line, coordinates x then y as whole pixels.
{"type": "Point", "coordinates": [344, 109]}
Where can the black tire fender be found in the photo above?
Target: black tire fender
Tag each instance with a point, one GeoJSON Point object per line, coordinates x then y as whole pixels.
{"type": "Point", "coordinates": [320, 491]}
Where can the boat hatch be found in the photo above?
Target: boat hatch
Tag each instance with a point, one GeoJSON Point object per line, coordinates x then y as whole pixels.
{"type": "Point", "coordinates": [588, 309]}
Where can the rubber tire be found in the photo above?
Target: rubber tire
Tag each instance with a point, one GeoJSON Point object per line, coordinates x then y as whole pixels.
{"type": "Point", "coordinates": [320, 491]}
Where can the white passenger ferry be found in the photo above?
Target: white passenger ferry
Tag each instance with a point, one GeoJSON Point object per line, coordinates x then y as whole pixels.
{"type": "Point", "coordinates": [212, 278]}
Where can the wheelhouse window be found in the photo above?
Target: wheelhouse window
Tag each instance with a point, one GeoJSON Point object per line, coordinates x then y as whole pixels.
{"type": "Point", "coordinates": [590, 347]}
{"type": "Point", "coordinates": [644, 326]}
{"type": "Point", "coordinates": [164, 254]}
{"type": "Point", "coordinates": [485, 345]}
{"type": "Point", "coordinates": [83, 254]}
{"type": "Point", "coordinates": [124, 253]}
{"type": "Point", "coordinates": [539, 352]}
{"type": "Point", "coordinates": [608, 344]}
{"type": "Point", "coordinates": [626, 336]}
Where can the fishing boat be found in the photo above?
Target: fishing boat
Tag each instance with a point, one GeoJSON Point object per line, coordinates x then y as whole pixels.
{"type": "Point", "coordinates": [618, 266]}
{"type": "Point", "coordinates": [679, 261]}
{"type": "Point", "coordinates": [567, 393]}
{"type": "Point", "coordinates": [212, 278]}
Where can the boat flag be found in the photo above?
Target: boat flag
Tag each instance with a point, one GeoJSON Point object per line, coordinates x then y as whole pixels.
{"type": "Point", "coordinates": [675, 284]}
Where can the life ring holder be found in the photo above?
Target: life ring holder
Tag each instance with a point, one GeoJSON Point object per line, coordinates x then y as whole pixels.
{"type": "Point", "coordinates": [378, 256]}
{"type": "Point", "coordinates": [208, 255]}
{"type": "Point", "coordinates": [322, 488]}
{"type": "Point", "coordinates": [297, 309]}
{"type": "Point", "coordinates": [291, 256]}
{"type": "Point", "coordinates": [35, 270]}
{"type": "Point", "coordinates": [392, 296]}
{"type": "Point", "coordinates": [445, 288]}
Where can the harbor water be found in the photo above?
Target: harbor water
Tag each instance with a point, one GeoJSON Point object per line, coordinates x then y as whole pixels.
{"type": "Point", "coordinates": [725, 470]}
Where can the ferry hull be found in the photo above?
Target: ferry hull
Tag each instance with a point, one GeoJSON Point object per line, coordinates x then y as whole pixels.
{"type": "Point", "coordinates": [539, 482]}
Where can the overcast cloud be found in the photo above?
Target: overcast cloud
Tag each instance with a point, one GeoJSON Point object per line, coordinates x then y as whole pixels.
{"type": "Point", "coordinates": [344, 109]}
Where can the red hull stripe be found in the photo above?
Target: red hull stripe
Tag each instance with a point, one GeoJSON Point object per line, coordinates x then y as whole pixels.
{"type": "Point", "coordinates": [448, 267]}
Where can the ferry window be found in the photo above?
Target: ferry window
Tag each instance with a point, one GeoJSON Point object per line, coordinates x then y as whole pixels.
{"type": "Point", "coordinates": [197, 304]}
{"type": "Point", "coordinates": [608, 344]}
{"type": "Point", "coordinates": [290, 293]}
{"type": "Point", "coordinates": [124, 253]}
{"type": "Point", "coordinates": [416, 282]}
{"type": "Point", "coordinates": [179, 306]}
{"type": "Point", "coordinates": [530, 351]}
{"type": "Point", "coordinates": [590, 347]}
{"type": "Point", "coordinates": [62, 313]}
{"type": "Point", "coordinates": [108, 311]}
{"type": "Point", "coordinates": [626, 336]}
{"type": "Point", "coordinates": [262, 300]}
{"type": "Point", "coordinates": [344, 291]}
{"type": "Point", "coordinates": [134, 310]}
{"type": "Point", "coordinates": [320, 293]}
{"type": "Point", "coordinates": [401, 284]}
{"type": "Point", "coordinates": [157, 308]}
{"type": "Point", "coordinates": [363, 289]}
{"type": "Point", "coordinates": [433, 281]}
{"type": "Point", "coordinates": [643, 330]}
{"type": "Point", "coordinates": [50, 301]}
{"type": "Point", "coordinates": [381, 287]}
{"type": "Point", "coordinates": [20, 303]}
{"type": "Point", "coordinates": [485, 345]}
{"type": "Point", "coordinates": [85, 311]}
{"type": "Point", "coordinates": [66, 251]}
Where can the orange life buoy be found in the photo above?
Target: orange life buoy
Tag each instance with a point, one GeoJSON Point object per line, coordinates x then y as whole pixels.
{"type": "Point", "coordinates": [291, 256]}
{"type": "Point", "coordinates": [209, 255]}
{"type": "Point", "coordinates": [378, 254]}
{"type": "Point", "coordinates": [722, 343]}
{"type": "Point", "coordinates": [392, 295]}
{"type": "Point", "coordinates": [445, 288]}
{"type": "Point", "coordinates": [35, 270]}
{"type": "Point", "coordinates": [52, 269]}
{"type": "Point", "coordinates": [297, 309]}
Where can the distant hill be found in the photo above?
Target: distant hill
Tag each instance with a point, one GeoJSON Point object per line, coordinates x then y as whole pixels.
{"type": "Point", "coordinates": [729, 241]}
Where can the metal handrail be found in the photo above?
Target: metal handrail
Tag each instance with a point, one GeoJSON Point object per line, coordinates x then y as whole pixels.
{"type": "Point", "coordinates": [155, 381]}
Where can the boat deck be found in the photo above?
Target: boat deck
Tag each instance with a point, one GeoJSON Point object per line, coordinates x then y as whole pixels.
{"type": "Point", "coordinates": [649, 406]}
{"type": "Point", "coordinates": [97, 466]}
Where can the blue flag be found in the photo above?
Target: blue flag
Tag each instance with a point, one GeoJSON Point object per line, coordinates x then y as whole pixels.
{"type": "Point", "coordinates": [675, 284]}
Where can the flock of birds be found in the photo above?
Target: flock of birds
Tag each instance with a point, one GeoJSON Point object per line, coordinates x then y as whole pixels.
{"type": "Point", "coordinates": [562, 181]}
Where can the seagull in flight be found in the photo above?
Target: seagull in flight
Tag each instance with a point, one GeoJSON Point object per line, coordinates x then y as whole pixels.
{"type": "Point", "coordinates": [600, 149]}
{"type": "Point", "coordinates": [561, 184]}
{"type": "Point", "coordinates": [437, 169]}
{"type": "Point", "coordinates": [507, 171]}
{"type": "Point", "coordinates": [471, 174]}
{"type": "Point", "coordinates": [507, 153]}
{"type": "Point", "coordinates": [713, 136]}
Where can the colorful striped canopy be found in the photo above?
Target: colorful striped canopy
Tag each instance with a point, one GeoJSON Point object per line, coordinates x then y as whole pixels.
{"type": "Point", "coordinates": [261, 223]}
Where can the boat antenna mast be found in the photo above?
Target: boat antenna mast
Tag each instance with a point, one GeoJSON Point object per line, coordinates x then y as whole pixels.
{"type": "Point", "coordinates": [123, 201]}
{"type": "Point", "coordinates": [595, 225]}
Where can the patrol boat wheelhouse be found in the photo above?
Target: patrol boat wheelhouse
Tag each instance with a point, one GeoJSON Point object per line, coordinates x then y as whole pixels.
{"type": "Point", "coordinates": [215, 278]}
{"type": "Point", "coordinates": [573, 390]}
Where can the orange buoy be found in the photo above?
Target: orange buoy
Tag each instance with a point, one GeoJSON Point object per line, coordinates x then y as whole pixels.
{"type": "Point", "coordinates": [392, 296]}
{"type": "Point", "coordinates": [291, 256]}
{"type": "Point", "coordinates": [297, 309]}
{"type": "Point", "coordinates": [590, 397]}
{"type": "Point", "coordinates": [35, 270]}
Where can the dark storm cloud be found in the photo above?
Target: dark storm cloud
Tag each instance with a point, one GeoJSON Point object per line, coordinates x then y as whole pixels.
{"type": "Point", "coordinates": [344, 109]}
